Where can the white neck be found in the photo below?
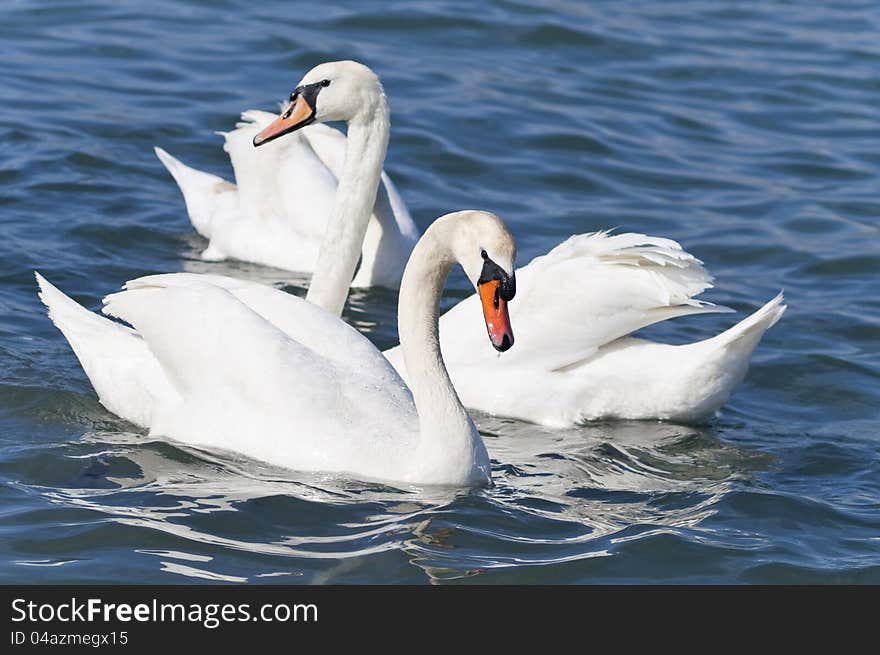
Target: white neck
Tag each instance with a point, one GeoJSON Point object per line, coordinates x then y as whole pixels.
{"type": "Point", "coordinates": [447, 436]}
{"type": "Point", "coordinates": [352, 206]}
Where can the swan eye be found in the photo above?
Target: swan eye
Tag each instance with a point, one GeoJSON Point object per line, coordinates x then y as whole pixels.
{"type": "Point", "coordinates": [325, 82]}
{"type": "Point", "coordinates": [483, 254]}
{"type": "Point", "coordinates": [293, 95]}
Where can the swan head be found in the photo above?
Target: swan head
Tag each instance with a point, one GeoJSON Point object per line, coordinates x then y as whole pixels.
{"type": "Point", "coordinates": [486, 250]}
{"type": "Point", "coordinates": [333, 91]}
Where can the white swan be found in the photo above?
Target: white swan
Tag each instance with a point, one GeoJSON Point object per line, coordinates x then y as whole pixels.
{"type": "Point", "coordinates": [285, 196]}
{"type": "Point", "coordinates": [578, 303]}
{"type": "Point", "coordinates": [215, 362]}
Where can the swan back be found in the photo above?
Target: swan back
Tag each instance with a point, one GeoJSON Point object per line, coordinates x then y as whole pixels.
{"type": "Point", "coordinates": [296, 386]}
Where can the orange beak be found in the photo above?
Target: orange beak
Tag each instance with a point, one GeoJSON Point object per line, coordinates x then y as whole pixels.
{"type": "Point", "coordinates": [297, 114]}
{"type": "Point", "coordinates": [495, 313]}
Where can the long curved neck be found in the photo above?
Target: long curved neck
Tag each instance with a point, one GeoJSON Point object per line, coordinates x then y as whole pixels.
{"type": "Point", "coordinates": [446, 431]}
{"type": "Point", "coordinates": [352, 207]}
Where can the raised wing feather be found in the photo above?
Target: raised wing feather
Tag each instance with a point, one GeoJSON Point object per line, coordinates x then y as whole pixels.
{"type": "Point", "coordinates": [246, 384]}
{"type": "Point", "coordinates": [587, 291]}
{"type": "Point", "coordinates": [305, 323]}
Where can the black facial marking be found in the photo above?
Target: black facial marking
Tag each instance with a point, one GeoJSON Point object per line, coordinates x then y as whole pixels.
{"type": "Point", "coordinates": [492, 271]}
{"type": "Point", "coordinates": [309, 92]}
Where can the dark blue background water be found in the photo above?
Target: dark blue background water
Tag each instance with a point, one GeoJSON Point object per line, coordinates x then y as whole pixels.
{"type": "Point", "coordinates": [748, 131]}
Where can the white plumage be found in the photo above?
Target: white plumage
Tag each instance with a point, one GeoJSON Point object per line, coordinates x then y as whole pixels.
{"type": "Point", "coordinates": [574, 361]}
{"type": "Point", "coordinates": [223, 363]}
{"type": "Point", "coordinates": [576, 306]}
{"type": "Point", "coordinates": [276, 213]}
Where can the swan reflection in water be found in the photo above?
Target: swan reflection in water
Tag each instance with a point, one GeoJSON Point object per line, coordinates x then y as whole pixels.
{"type": "Point", "coordinates": [558, 496]}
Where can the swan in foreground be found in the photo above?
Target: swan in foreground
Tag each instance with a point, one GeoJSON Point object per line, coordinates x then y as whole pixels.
{"type": "Point", "coordinates": [577, 304]}
{"type": "Point", "coordinates": [216, 362]}
{"type": "Point", "coordinates": [285, 196]}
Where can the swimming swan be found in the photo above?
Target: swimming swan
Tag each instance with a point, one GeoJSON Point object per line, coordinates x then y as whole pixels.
{"type": "Point", "coordinates": [221, 363]}
{"type": "Point", "coordinates": [577, 304]}
{"type": "Point", "coordinates": [285, 196]}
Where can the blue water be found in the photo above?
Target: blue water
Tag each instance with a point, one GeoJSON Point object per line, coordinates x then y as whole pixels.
{"type": "Point", "coordinates": [748, 131]}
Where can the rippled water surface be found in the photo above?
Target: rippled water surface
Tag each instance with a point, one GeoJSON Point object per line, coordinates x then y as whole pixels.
{"type": "Point", "coordinates": [750, 132]}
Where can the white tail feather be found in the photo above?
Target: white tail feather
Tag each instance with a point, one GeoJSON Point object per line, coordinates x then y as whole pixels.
{"type": "Point", "coordinates": [748, 332]}
{"type": "Point", "coordinates": [117, 361]}
{"type": "Point", "coordinates": [201, 191]}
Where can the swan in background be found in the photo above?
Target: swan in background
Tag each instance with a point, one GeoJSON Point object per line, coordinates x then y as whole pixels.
{"type": "Point", "coordinates": [577, 304]}
{"type": "Point", "coordinates": [285, 196]}
{"type": "Point", "coordinates": [220, 363]}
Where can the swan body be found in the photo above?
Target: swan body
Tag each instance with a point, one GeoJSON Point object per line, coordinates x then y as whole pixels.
{"type": "Point", "coordinates": [220, 363]}
{"type": "Point", "coordinates": [575, 361]}
{"type": "Point", "coordinates": [277, 212]}
{"type": "Point", "coordinates": [577, 307]}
